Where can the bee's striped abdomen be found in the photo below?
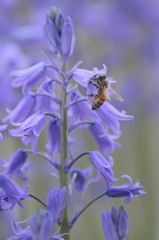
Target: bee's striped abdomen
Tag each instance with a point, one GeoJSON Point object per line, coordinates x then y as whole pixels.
{"type": "Point", "coordinates": [99, 100]}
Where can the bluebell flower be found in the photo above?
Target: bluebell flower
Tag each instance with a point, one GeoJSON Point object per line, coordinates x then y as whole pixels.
{"type": "Point", "coordinates": [111, 116]}
{"type": "Point", "coordinates": [30, 129]}
{"type": "Point", "coordinates": [80, 177]}
{"type": "Point", "coordinates": [115, 226]}
{"type": "Point", "coordinates": [54, 136]}
{"type": "Point", "coordinates": [80, 111]}
{"type": "Point", "coordinates": [41, 226]}
{"type": "Point", "coordinates": [103, 167]}
{"type": "Point", "coordinates": [56, 202]}
{"type": "Point", "coordinates": [14, 193]}
{"type": "Point", "coordinates": [128, 190]}
{"type": "Point", "coordinates": [16, 164]}
{"type": "Point", "coordinates": [44, 103]}
{"type": "Point", "coordinates": [23, 110]}
{"type": "Point", "coordinates": [105, 141]}
{"type": "Point", "coordinates": [2, 128]}
{"type": "Point", "coordinates": [82, 76]}
{"type": "Point", "coordinates": [107, 113]}
{"type": "Point", "coordinates": [53, 144]}
{"type": "Point", "coordinates": [27, 78]}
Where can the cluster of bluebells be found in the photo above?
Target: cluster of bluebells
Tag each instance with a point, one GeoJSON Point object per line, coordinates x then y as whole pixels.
{"type": "Point", "coordinates": [65, 113]}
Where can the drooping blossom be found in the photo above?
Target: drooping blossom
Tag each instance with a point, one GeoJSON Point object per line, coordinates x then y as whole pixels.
{"type": "Point", "coordinates": [105, 141]}
{"type": "Point", "coordinates": [30, 129]}
{"type": "Point", "coordinates": [27, 78]}
{"type": "Point", "coordinates": [53, 144]}
{"type": "Point", "coordinates": [23, 110]}
{"type": "Point", "coordinates": [103, 167]}
{"type": "Point", "coordinates": [80, 177]}
{"type": "Point", "coordinates": [82, 76]}
{"type": "Point", "coordinates": [111, 116]}
{"type": "Point", "coordinates": [128, 190]}
{"type": "Point", "coordinates": [14, 193]}
{"type": "Point", "coordinates": [115, 225]}
{"type": "Point", "coordinates": [54, 136]}
{"type": "Point", "coordinates": [17, 164]}
{"type": "Point", "coordinates": [44, 103]}
{"type": "Point", "coordinates": [106, 112]}
{"type": "Point", "coordinates": [80, 111]}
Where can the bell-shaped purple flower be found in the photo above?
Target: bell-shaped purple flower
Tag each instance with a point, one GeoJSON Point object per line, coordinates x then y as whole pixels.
{"type": "Point", "coordinates": [56, 202]}
{"type": "Point", "coordinates": [103, 167]}
{"type": "Point", "coordinates": [23, 110]}
{"type": "Point", "coordinates": [111, 116]}
{"type": "Point", "coordinates": [54, 136]}
{"type": "Point", "coordinates": [30, 129]}
{"type": "Point", "coordinates": [16, 164]}
{"type": "Point", "coordinates": [115, 226]}
{"type": "Point", "coordinates": [67, 39]}
{"type": "Point", "coordinates": [80, 177]}
{"type": "Point", "coordinates": [2, 128]}
{"type": "Point", "coordinates": [13, 191]}
{"type": "Point", "coordinates": [27, 78]}
{"type": "Point", "coordinates": [128, 190]}
{"type": "Point", "coordinates": [44, 103]}
{"type": "Point", "coordinates": [105, 141]}
{"type": "Point", "coordinates": [41, 226]}
{"type": "Point", "coordinates": [82, 76]}
{"type": "Point", "coordinates": [53, 144]}
{"type": "Point", "coordinates": [80, 111]}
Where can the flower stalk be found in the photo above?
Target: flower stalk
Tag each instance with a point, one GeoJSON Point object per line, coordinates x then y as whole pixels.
{"type": "Point", "coordinates": [63, 176]}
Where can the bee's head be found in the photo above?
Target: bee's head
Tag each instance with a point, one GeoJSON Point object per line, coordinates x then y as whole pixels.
{"type": "Point", "coordinates": [102, 77]}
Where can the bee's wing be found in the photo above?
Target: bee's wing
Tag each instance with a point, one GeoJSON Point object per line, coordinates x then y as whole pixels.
{"type": "Point", "coordinates": [106, 93]}
{"type": "Point", "coordinates": [115, 94]}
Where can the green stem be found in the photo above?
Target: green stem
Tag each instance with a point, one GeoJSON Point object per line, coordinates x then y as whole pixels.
{"type": "Point", "coordinates": [78, 157]}
{"type": "Point", "coordinates": [90, 203]}
{"type": "Point", "coordinates": [63, 176]}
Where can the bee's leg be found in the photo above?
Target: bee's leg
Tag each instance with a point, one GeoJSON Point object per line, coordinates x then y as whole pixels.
{"type": "Point", "coordinates": [92, 95]}
{"type": "Point", "coordinates": [94, 84]}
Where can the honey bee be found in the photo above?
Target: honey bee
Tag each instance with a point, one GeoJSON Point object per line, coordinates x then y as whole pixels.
{"type": "Point", "coordinates": [103, 85]}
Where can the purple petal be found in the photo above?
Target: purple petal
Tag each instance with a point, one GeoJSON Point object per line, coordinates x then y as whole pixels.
{"type": "Point", "coordinates": [66, 39]}
{"type": "Point", "coordinates": [123, 224]}
{"type": "Point", "coordinates": [113, 112]}
{"type": "Point", "coordinates": [33, 120]}
{"type": "Point", "coordinates": [108, 227]}
{"type": "Point", "coordinates": [51, 37]}
{"type": "Point", "coordinates": [3, 127]}
{"type": "Point", "coordinates": [23, 110]}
